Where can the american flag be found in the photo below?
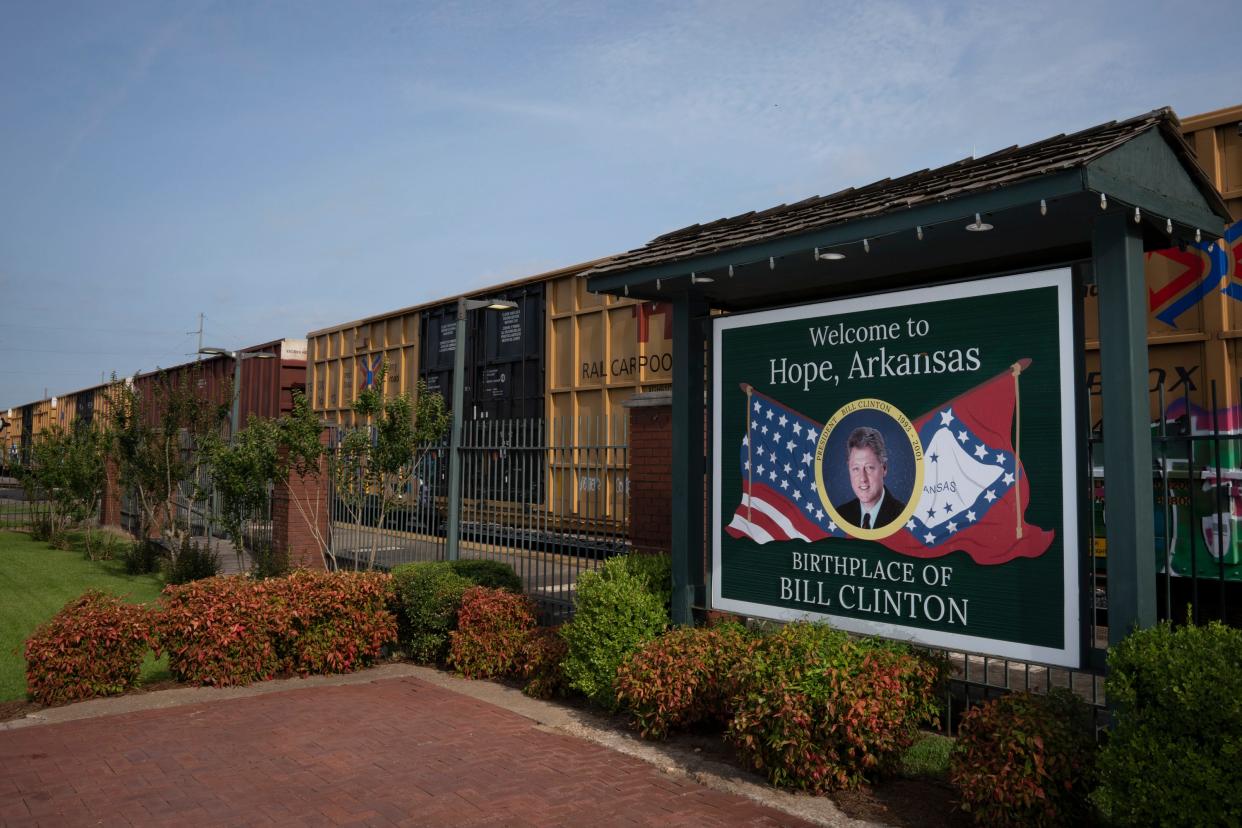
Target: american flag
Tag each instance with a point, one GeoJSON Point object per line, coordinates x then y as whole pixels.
{"type": "Point", "coordinates": [779, 498]}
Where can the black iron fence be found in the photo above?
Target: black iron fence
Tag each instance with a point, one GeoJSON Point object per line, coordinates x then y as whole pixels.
{"type": "Point", "coordinates": [548, 497]}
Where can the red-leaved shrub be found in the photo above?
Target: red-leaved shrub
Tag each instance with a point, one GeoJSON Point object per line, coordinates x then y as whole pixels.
{"type": "Point", "coordinates": [540, 663]}
{"type": "Point", "coordinates": [221, 631]}
{"type": "Point", "coordinates": [819, 711]}
{"type": "Point", "coordinates": [93, 647]}
{"type": "Point", "coordinates": [334, 622]}
{"type": "Point", "coordinates": [492, 626]}
{"type": "Point", "coordinates": [681, 678]}
{"type": "Point", "coordinates": [1026, 759]}
{"type": "Point", "coordinates": [235, 630]}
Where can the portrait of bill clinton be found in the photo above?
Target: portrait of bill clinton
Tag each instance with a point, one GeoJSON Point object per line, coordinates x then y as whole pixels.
{"type": "Point", "coordinates": [873, 506]}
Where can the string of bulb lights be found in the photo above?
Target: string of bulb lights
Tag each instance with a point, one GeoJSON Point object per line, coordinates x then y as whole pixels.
{"type": "Point", "coordinates": [833, 252]}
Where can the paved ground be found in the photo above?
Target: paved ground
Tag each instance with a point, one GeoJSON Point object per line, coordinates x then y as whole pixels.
{"type": "Point", "coordinates": [394, 751]}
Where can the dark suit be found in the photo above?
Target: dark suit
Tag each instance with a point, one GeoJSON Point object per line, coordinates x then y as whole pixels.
{"type": "Point", "coordinates": [890, 509]}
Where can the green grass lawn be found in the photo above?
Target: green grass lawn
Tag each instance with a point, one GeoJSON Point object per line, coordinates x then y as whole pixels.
{"type": "Point", "coordinates": [36, 581]}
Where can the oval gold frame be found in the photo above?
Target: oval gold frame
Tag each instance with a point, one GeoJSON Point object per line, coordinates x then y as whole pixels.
{"type": "Point", "coordinates": [889, 410]}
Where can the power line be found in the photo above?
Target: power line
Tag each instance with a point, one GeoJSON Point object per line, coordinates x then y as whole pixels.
{"type": "Point", "coordinates": [91, 329]}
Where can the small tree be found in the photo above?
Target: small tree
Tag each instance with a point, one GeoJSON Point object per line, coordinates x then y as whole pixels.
{"type": "Point", "coordinates": [66, 473]}
{"type": "Point", "coordinates": [158, 445]}
{"type": "Point", "coordinates": [377, 461]}
{"type": "Point", "coordinates": [265, 454]}
{"type": "Point", "coordinates": [242, 472]}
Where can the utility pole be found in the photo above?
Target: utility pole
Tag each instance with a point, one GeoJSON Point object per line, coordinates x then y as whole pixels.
{"type": "Point", "coordinates": [199, 350]}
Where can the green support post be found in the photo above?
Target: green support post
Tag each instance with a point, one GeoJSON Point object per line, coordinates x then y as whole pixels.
{"type": "Point", "coordinates": [452, 533]}
{"type": "Point", "coordinates": [688, 449]}
{"type": "Point", "coordinates": [1117, 249]}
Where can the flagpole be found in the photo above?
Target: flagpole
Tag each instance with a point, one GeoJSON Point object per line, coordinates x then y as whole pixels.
{"type": "Point", "coordinates": [1017, 452]}
{"type": "Point", "coordinates": [750, 463]}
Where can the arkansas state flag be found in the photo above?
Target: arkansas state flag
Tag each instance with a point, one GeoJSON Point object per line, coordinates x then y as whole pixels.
{"type": "Point", "coordinates": [974, 492]}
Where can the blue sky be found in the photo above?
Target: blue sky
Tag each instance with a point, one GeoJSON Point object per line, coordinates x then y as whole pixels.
{"type": "Point", "coordinates": [282, 167]}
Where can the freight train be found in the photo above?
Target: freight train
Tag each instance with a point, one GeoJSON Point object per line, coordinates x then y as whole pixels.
{"type": "Point", "coordinates": [573, 359]}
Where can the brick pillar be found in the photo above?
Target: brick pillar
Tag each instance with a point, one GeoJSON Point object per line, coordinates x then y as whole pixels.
{"type": "Point", "coordinates": [651, 483]}
{"type": "Point", "coordinates": [110, 504]}
{"type": "Point", "coordinates": [291, 533]}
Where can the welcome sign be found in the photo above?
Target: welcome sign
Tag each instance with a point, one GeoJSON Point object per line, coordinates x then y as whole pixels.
{"type": "Point", "coordinates": [904, 465]}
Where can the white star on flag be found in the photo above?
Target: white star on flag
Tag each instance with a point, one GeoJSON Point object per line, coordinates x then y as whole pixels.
{"type": "Point", "coordinates": [812, 435]}
{"type": "Point", "coordinates": [758, 407]}
{"type": "Point", "coordinates": [783, 420]}
{"type": "Point", "coordinates": [797, 428]}
{"type": "Point", "coordinates": [929, 538]}
{"type": "Point", "coordinates": [962, 437]}
{"type": "Point", "coordinates": [770, 414]}
{"type": "Point", "coordinates": [981, 451]}
{"type": "Point", "coordinates": [990, 496]}
{"type": "Point", "coordinates": [1008, 478]}
{"type": "Point", "coordinates": [952, 526]}
{"type": "Point", "coordinates": [946, 417]}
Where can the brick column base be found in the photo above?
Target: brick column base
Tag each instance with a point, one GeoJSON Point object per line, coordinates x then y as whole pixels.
{"type": "Point", "coordinates": [651, 458]}
{"type": "Point", "coordinates": [294, 509]}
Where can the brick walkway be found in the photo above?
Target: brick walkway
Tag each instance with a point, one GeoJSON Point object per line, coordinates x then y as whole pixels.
{"type": "Point", "coordinates": [391, 752]}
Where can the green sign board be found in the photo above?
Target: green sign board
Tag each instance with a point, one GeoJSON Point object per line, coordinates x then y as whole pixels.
{"type": "Point", "coordinates": [904, 465]}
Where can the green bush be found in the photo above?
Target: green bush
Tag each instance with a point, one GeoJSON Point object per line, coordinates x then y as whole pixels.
{"type": "Point", "coordinates": [142, 557]}
{"type": "Point", "coordinates": [490, 574]}
{"type": "Point", "coordinates": [656, 571]}
{"type": "Point", "coordinates": [1026, 759]}
{"type": "Point", "coordinates": [616, 613]}
{"type": "Point", "coordinates": [192, 563]}
{"type": "Point", "coordinates": [267, 562]}
{"type": "Point", "coordinates": [428, 596]}
{"type": "Point", "coordinates": [681, 677]}
{"type": "Point", "coordinates": [92, 647]}
{"type": "Point", "coordinates": [542, 663]}
{"type": "Point", "coordinates": [819, 711]}
{"type": "Point", "coordinates": [1173, 754]}
{"type": "Point", "coordinates": [492, 627]}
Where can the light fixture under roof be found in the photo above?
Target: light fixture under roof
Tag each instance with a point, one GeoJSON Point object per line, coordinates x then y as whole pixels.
{"type": "Point", "coordinates": [696, 279]}
{"type": "Point", "coordinates": [831, 256]}
{"type": "Point", "coordinates": [978, 225]}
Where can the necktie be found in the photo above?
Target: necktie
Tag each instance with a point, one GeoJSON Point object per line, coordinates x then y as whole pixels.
{"type": "Point", "coordinates": [867, 521]}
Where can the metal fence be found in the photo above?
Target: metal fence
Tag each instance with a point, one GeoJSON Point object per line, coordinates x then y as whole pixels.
{"type": "Point", "coordinates": [1196, 480]}
{"type": "Point", "coordinates": [548, 497]}
{"type": "Point", "coordinates": [197, 509]}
